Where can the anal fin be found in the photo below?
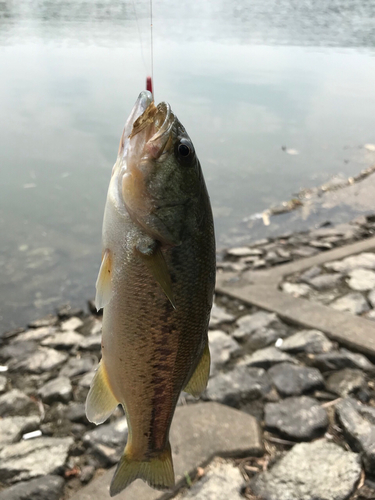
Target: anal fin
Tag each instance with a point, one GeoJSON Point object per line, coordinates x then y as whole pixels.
{"type": "Point", "coordinates": [103, 283]}
{"type": "Point", "coordinates": [100, 402]}
{"type": "Point", "coordinates": [199, 379]}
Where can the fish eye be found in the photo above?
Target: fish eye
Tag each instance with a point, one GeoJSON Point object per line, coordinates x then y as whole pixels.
{"type": "Point", "coordinates": [185, 149]}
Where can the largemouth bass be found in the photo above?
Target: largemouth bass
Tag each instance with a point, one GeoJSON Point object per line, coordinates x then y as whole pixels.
{"type": "Point", "coordinates": [155, 286]}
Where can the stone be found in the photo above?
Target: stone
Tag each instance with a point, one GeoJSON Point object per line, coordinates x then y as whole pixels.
{"type": "Point", "coordinates": [250, 324]}
{"type": "Point", "coordinates": [304, 251]}
{"type": "Point", "coordinates": [33, 458]}
{"type": "Point", "coordinates": [296, 289]}
{"type": "Point", "coordinates": [264, 337]}
{"type": "Point", "coordinates": [91, 326]}
{"type": "Point", "coordinates": [366, 411]}
{"type": "Point", "coordinates": [310, 472]}
{"type": "Point", "coordinates": [36, 334]}
{"type": "Point", "coordinates": [337, 360]}
{"type": "Point", "coordinates": [364, 260]}
{"type": "Point", "coordinates": [58, 389]}
{"type": "Point", "coordinates": [219, 316]}
{"type": "Point", "coordinates": [370, 315]}
{"type": "Point", "coordinates": [3, 383]}
{"type": "Point", "coordinates": [346, 381]}
{"type": "Point", "coordinates": [223, 481]}
{"type": "Point", "coordinates": [298, 418]}
{"type": "Point", "coordinates": [76, 413]}
{"type": "Point", "coordinates": [238, 385]}
{"type": "Point", "coordinates": [17, 351]}
{"type": "Point", "coordinates": [199, 432]}
{"type": "Point", "coordinates": [222, 349]}
{"type": "Point", "coordinates": [355, 303]}
{"type": "Point", "coordinates": [67, 311]}
{"type": "Point", "coordinates": [12, 428]}
{"type": "Point", "coordinates": [371, 297]}
{"type": "Point", "coordinates": [325, 281]}
{"type": "Point", "coordinates": [63, 340]}
{"type": "Point", "coordinates": [309, 274]}
{"type": "Point", "coordinates": [43, 488]}
{"type": "Point", "coordinates": [308, 341]}
{"type": "Point", "coordinates": [324, 245]}
{"type": "Point", "coordinates": [108, 440]}
{"type": "Point", "coordinates": [86, 380]}
{"type": "Point", "coordinates": [50, 320]}
{"type": "Point", "coordinates": [87, 473]}
{"type": "Point", "coordinates": [15, 403]}
{"type": "Point", "coordinates": [359, 431]}
{"type": "Point", "coordinates": [291, 380]}
{"type": "Point", "coordinates": [361, 280]}
{"type": "Point", "coordinates": [243, 252]}
{"type": "Point", "coordinates": [91, 343]}
{"type": "Point", "coordinates": [76, 366]}
{"type": "Point", "coordinates": [265, 358]}
{"type": "Point", "coordinates": [71, 324]}
{"type": "Point", "coordinates": [42, 360]}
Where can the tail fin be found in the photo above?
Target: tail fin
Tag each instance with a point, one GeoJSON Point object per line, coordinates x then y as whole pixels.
{"type": "Point", "coordinates": [157, 472]}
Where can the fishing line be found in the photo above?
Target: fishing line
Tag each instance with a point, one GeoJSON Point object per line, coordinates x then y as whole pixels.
{"type": "Point", "coordinates": [140, 36]}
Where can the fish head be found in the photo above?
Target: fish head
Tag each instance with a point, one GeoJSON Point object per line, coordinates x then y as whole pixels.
{"type": "Point", "coordinates": [159, 172]}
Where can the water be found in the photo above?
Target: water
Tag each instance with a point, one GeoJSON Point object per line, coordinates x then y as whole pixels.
{"type": "Point", "coordinates": [244, 77]}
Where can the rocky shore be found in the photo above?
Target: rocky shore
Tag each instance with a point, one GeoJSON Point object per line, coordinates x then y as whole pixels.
{"type": "Point", "coordinates": [313, 398]}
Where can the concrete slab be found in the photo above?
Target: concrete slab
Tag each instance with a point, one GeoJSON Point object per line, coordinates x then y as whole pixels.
{"type": "Point", "coordinates": [199, 432]}
{"type": "Point", "coordinates": [260, 288]}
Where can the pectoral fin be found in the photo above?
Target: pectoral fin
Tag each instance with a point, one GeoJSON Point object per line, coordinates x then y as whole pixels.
{"type": "Point", "coordinates": [199, 379]}
{"type": "Point", "coordinates": [100, 402]}
{"type": "Point", "coordinates": [103, 283]}
{"type": "Point", "coordinates": [155, 261]}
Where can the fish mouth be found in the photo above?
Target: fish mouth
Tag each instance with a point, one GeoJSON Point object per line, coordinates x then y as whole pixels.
{"type": "Point", "coordinates": [148, 131]}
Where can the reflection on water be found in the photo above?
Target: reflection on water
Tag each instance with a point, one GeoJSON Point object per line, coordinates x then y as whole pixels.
{"type": "Point", "coordinates": [244, 77]}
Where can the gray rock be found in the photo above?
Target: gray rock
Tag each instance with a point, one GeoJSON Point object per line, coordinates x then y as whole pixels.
{"type": "Point", "coordinates": [37, 334]}
{"type": "Point", "coordinates": [63, 340]}
{"type": "Point", "coordinates": [304, 251]}
{"type": "Point", "coordinates": [43, 488]}
{"type": "Point", "coordinates": [265, 358]}
{"type": "Point", "coordinates": [12, 428]}
{"type": "Point", "coordinates": [359, 431]}
{"type": "Point", "coordinates": [33, 458]}
{"type": "Point", "coordinates": [76, 413]}
{"type": "Point", "coordinates": [291, 380]}
{"type": "Point", "coordinates": [3, 383]}
{"type": "Point", "coordinates": [309, 274]}
{"type": "Point", "coordinates": [354, 303]}
{"type": "Point", "coordinates": [108, 440]}
{"type": "Point", "coordinates": [346, 381]}
{"type": "Point", "coordinates": [308, 341]}
{"type": "Point", "coordinates": [87, 473]}
{"type": "Point", "coordinates": [58, 389]}
{"type": "Point", "coordinates": [371, 298]}
{"type": "Point", "coordinates": [264, 337]}
{"type": "Point", "coordinates": [91, 326]}
{"type": "Point", "coordinates": [300, 419]}
{"type": "Point", "coordinates": [361, 280]}
{"type": "Point", "coordinates": [243, 252]}
{"type": "Point", "coordinates": [366, 411]}
{"type": "Point", "coordinates": [86, 380]}
{"type": "Point", "coordinates": [222, 482]}
{"type": "Point", "coordinates": [222, 349]}
{"type": "Point", "coordinates": [238, 385]}
{"type": "Point", "coordinates": [49, 320]}
{"type": "Point", "coordinates": [15, 403]}
{"type": "Point", "coordinates": [337, 360]}
{"type": "Point", "coordinates": [76, 366]}
{"type": "Point", "coordinates": [325, 281]}
{"type": "Point", "coordinates": [250, 323]}
{"type": "Point", "coordinates": [42, 360]}
{"type": "Point", "coordinates": [370, 315]}
{"type": "Point", "coordinates": [320, 244]}
{"type": "Point", "coordinates": [91, 343]}
{"type": "Point", "coordinates": [310, 472]}
{"type": "Point", "coordinates": [17, 351]}
{"type": "Point", "coordinates": [364, 260]}
{"type": "Point", "coordinates": [296, 289]}
{"type": "Point", "coordinates": [72, 323]}
{"type": "Point", "coordinates": [219, 316]}
{"type": "Point", "coordinates": [67, 311]}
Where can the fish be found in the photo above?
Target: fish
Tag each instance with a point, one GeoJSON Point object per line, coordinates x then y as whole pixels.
{"type": "Point", "coordinates": [155, 285]}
